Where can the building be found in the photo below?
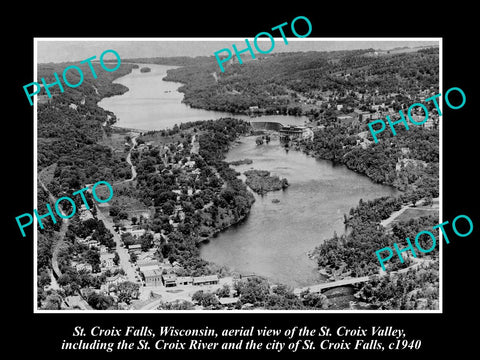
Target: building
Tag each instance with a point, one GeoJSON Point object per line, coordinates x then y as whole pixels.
{"type": "Point", "coordinates": [84, 267]}
{"type": "Point", "coordinates": [93, 243]}
{"type": "Point", "coordinates": [291, 132]}
{"type": "Point", "coordinates": [363, 115]}
{"type": "Point", "coordinates": [115, 280]}
{"type": "Point", "coordinates": [136, 249]}
{"type": "Point", "coordinates": [148, 264]}
{"type": "Point", "coordinates": [84, 213]}
{"type": "Point", "coordinates": [106, 260]}
{"type": "Point", "coordinates": [184, 280]}
{"type": "Point", "coordinates": [152, 277]}
{"type": "Point", "coordinates": [206, 280]}
{"type": "Point", "coordinates": [346, 119]}
{"type": "Point", "coordinates": [228, 302]}
{"type": "Point", "coordinates": [190, 164]}
{"type": "Point", "coordinates": [137, 232]}
{"type": "Point", "coordinates": [169, 280]}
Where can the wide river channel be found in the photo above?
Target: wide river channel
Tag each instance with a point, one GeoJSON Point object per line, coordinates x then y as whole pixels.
{"type": "Point", "coordinates": [274, 240]}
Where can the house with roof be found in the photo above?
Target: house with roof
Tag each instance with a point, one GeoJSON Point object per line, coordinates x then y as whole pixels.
{"type": "Point", "coordinates": [206, 280]}
{"type": "Point", "coordinates": [84, 267]}
{"type": "Point", "coordinates": [106, 260]}
{"type": "Point", "coordinates": [113, 281]}
{"type": "Point", "coordinates": [135, 248]}
{"type": "Point", "coordinates": [228, 302]}
{"type": "Point", "coordinates": [184, 280]}
{"type": "Point", "coordinates": [347, 120]}
{"type": "Point", "coordinates": [152, 277]}
{"type": "Point", "coordinates": [137, 232]}
{"type": "Point", "coordinates": [84, 213]}
{"type": "Point", "coordinates": [169, 280]}
{"type": "Point", "coordinates": [148, 264]}
{"type": "Point", "coordinates": [93, 243]}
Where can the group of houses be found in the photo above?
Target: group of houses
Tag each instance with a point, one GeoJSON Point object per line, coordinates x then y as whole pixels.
{"type": "Point", "coordinates": [163, 273]}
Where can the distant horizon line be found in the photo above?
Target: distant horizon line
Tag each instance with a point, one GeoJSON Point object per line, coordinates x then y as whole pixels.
{"type": "Point", "coordinates": [271, 54]}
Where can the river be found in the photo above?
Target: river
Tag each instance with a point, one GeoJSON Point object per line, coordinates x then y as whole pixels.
{"type": "Point", "coordinates": [274, 240]}
{"type": "Point", "coordinates": [154, 104]}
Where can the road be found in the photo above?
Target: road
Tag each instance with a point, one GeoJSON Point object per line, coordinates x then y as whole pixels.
{"type": "Point", "coordinates": [396, 214]}
{"type": "Point", "coordinates": [129, 159]}
{"type": "Point", "coordinates": [319, 287]}
{"type": "Point", "coordinates": [124, 262]}
{"type": "Point", "coordinates": [63, 229]}
{"type": "Point", "coordinates": [195, 145]}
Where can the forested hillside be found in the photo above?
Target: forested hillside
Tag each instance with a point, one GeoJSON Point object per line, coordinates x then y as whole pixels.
{"type": "Point", "coordinates": [70, 125]}
{"type": "Point", "coordinates": [274, 83]}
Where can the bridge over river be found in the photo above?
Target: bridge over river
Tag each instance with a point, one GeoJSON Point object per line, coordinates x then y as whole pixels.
{"type": "Point", "coordinates": [345, 282]}
{"type": "Point", "coordinates": [328, 285]}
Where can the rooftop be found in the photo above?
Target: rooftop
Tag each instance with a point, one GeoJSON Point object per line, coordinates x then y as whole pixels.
{"type": "Point", "coordinates": [205, 278]}
{"type": "Point", "coordinates": [169, 277]}
{"type": "Point", "coordinates": [228, 300]}
{"type": "Point", "coordinates": [150, 273]}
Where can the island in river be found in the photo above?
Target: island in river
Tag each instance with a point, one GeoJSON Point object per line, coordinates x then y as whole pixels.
{"type": "Point", "coordinates": [145, 69]}
{"type": "Point", "coordinates": [262, 182]}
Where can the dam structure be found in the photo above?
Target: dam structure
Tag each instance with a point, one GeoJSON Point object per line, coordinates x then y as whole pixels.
{"type": "Point", "coordinates": [287, 132]}
{"type": "Point", "coordinates": [266, 125]}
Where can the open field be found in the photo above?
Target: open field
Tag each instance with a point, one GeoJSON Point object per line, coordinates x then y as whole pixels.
{"type": "Point", "coordinates": [116, 141]}
{"type": "Point", "coordinates": [415, 214]}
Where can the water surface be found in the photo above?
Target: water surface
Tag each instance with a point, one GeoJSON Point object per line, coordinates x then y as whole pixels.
{"type": "Point", "coordinates": [154, 104]}
{"type": "Point", "coordinates": [275, 238]}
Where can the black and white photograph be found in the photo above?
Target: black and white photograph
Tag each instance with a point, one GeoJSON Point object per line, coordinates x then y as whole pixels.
{"type": "Point", "coordinates": [220, 180]}
{"type": "Point", "coordinates": [238, 182]}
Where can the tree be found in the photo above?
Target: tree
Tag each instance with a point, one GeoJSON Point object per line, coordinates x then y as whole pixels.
{"type": "Point", "coordinates": [224, 291]}
{"type": "Point", "coordinates": [44, 279]}
{"type": "Point", "coordinates": [146, 242]}
{"type": "Point", "coordinates": [93, 258]}
{"type": "Point", "coordinates": [206, 299]}
{"type": "Point", "coordinates": [126, 291]}
{"type": "Point", "coordinates": [253, 290]}
{"type": "Point", "coordinates": [114, 211]}
{"type": "Point", "coordinates": [127, 239]}
{"type": "Point", "coordinates": [116, 258]}
{"type": "Point", "coordinates": [176, 305]}
{"type": "Point", "coordinates": [428, 201]}
{"type": "Point", "coordinates": [99, 301]}
{"type": "Point", "coordinates": [133, 257]}
{"type": "Point", "coordinates": [53, 302]}
{"type": "Point", "coordinates": [134, 220]}
{"type": "Point", "coordinates": [314, 300]}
